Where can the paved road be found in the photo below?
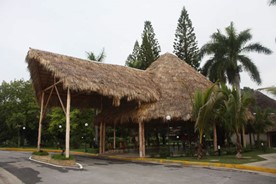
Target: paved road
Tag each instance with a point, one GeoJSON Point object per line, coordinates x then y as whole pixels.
{"type": "Point", "coordinates": [107, 171]}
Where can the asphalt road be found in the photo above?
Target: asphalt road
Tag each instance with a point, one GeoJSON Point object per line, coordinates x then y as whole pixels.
{"type": "Point", "coordinates": [109, 171]}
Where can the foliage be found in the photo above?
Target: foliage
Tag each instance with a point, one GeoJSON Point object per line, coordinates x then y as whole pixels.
{"type": "Point", "coordinates": [62, 157]}
{"type": "Point", "coordinates": [18, 109]}
{"type": "Point", "coordinates": [271, 90]}
{"type": "Point", "coordinates": [78, 121]}
{"type": "Point", "coordinates": [261, 122]}
{"type": "Point", "coordinates": [133, 58]}
{"type": "Point", "coordinates": [100, 58]}
{"type": "Point", "coordinates": [272, 2]}
{"type": "Point", "coordinates": [185, 44]}
{"type": "Point", "coordinates": [148, 51]}
{"type": "Point", "coordinates": [41, 153]}
{"type": "Point", "coordinates": [228, 56]}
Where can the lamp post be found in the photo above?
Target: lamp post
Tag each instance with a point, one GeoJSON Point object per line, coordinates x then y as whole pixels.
{"type": "Point", "coordinates": [168, 119]}
{"type": "Point", "coordinates": [23, 128]}
{"type": "Point", "coordinates": [60, 139]}
{"type": "Point", "coordinates": [86, 125]}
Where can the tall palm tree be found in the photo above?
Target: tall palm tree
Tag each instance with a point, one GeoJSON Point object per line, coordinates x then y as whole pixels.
{"type": "Point", "coordinates": [228, 56]}
{"type": "Point", "coordinates": [272, 2]}
{"type": "Point", "coordinates": [271, 90]}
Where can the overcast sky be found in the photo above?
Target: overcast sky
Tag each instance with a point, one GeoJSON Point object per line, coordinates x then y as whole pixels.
{"type": "Point", "coordinates": [72, 27]}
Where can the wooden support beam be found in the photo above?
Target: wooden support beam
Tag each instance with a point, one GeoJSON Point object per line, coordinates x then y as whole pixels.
{"type": "Point", "coordinates": [101, 138]}
{"type": "Point", "coordinates": [40, 122]}
{"type": "Point", "coordinates": [114, 136]}
{"type": "Point", "coordinates": [141, 139]}
{"type": "Point", "coordinates": [60, 100]}
{"type": "Point", "coordinates": [67, 136]}
{"type": "Point", "coordinates": [52, 86]}
{"type": "Point", "coordinates": [48, 100]}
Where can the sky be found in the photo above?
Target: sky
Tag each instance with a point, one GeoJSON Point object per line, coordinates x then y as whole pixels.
{"type": "Point", "coordinates": [72, 27]}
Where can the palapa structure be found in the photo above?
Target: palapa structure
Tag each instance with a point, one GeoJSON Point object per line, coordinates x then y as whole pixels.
{"type": "Point", "coordinates": [122, 94]}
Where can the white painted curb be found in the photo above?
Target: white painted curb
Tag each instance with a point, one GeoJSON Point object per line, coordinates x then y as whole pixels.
{"type": "Point", "coordinates": [80, 166]}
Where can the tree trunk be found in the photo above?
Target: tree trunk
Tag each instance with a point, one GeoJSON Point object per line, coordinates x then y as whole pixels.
{"type": "Point", "coordinates": [215, 139]}
{"type": "Point", "coordinates": [238, 146]}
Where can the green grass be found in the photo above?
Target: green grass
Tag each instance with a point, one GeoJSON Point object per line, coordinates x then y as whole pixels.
{"type": "Point", "coordinates": [62, 157]}
{"type": "Point", "coordinates": [41, 153]}
{"type": "Point", "coordinates": [248, 157]}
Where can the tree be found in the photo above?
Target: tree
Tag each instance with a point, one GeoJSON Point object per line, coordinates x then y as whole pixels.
{"type": "Point", "coordinates": [271, 90]}
{"type": "Point", "coordinates": [150, 49]}
{"type": "Point", "coordinates": [236, 113]}
{"type": "Point", "coordinates": [133, 58]}
{"type": "Point", "coordinates": [228, 56]}
{"type": "Point", "coordinates": [272, 2]}
{"type": "Point", "coordinates": [261, 122]}
{"type": "Point", "coordinates": [18, 109]}
{"type": "Point", "coordinates": [148, 52]}
{"type": "Point", "coordinates": [91, 56]}
{"type": "Point", "coordinates": [185, 44]}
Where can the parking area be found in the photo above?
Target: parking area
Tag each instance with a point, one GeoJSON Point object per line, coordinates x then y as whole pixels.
{"type": "Point", "coordinates": [111, 171]}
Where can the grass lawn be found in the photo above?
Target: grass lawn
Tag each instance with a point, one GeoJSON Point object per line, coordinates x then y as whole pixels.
{"type": "Point", "coordinates": [248, 157]}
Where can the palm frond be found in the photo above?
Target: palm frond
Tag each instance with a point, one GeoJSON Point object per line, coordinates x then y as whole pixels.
{"type": "Point", "coordinates": [251, 68]}
{"type": "Point", "coordinates": [256, 47]}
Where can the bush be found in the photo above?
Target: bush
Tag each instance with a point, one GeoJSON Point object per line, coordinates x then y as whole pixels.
{"type": "Point", "coordinates": [41, 153]}
{"type": "Point", "coordinates": [62, 157]}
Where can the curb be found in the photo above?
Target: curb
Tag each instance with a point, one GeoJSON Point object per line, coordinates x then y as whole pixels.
{"type": "Point", "coordinates": [38, 161]}
{"type": "Point", "coordinates": [161, 161]}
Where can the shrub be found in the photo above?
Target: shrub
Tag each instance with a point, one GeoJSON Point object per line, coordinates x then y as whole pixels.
{"type": "Point", "coordinates": [41, 153]}
{"type": "Point", "coordinates": [62, 157]}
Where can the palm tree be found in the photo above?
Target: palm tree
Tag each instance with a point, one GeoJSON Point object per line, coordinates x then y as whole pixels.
{"type": "Point", "coordinates": [236, 114]}
{"type": "Point", "coordinates": [228, 56]}
{"type": "Point", "coordinates": [271, 90]}
{"type": "Point", "coordinates": [272, 2]}
{"type": "Point", "coordinates": [206, 112]}
{"type": "Point", "coordinates": [261, 122]}
{"type": "Point", "coordinates": [91, 56]}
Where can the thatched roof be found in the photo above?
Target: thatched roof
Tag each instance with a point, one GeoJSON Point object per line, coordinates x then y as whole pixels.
{"type": "Point", "coordinates": [124, 94]}
{"type": "Point", "coordinates": [177, 82]}
{"type": "Point", "coordinates": [92, 83]}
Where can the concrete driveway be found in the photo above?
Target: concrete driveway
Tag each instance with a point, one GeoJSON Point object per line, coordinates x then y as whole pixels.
{"type": "Point", "coordinates": [110, 171]}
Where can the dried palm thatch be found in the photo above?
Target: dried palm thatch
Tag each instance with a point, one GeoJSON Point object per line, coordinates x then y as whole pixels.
{"type": "Point", "coordinates": [177, 82]}
{"type": "Point", "coordinates": [124, 94]}
{"type": "Point", "coordinates": [92, 84]}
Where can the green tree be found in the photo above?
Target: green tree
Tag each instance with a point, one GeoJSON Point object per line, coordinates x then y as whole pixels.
{"type": "Point", "coordinates": [18, 109]}
{"type": "Point", "coordinates": [185, 44]}
{"type": "Point", "coordinates": [271, 90]}
{"type": "Point", "coordinates": [272, 2]}
{"type": "Point", "coordinates": [236, 114]}
{"type": "Point", "coordinates": [261, 122]}
{"type": "Point", "coordinates": [150, 49]}
{"type": "Point", "coordinates": [133, 58]}
{"type": "Point", "coordinates": [228, 56]}
{"type": "Point", "coordinates": [100, 58]}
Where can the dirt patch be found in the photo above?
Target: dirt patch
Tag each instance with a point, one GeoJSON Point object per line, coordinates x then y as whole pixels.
{"type": "Point", "coordinates": [48, 159]}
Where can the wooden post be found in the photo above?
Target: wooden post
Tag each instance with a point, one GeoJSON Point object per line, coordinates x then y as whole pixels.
{"type": "Point", "coordinates": [141, 140]}
{"type": "Point", "coordinates": [114, 136]}
{"type": "Point", "coordinates": [243, 135]}
{"type": "Point", "coordinates": [40, 122]}
{"type": "Point", "coordinates": [268, 140]}
{"type": "Point", "coordinates": [101, 138]}
{"type": "Point", "coordinates": [67, 136]}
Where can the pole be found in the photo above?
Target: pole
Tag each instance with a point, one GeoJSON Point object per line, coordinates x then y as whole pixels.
{"type": "Point", "coordinates": [67, 137]}
{"type": "Point", "coordinates": [40, 122]}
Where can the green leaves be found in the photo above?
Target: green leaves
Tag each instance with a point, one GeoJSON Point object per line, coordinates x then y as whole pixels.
{"type": "Point", "coordinates": [228, 56]}
{"type": "Point", "coordinates": [148, 52]}
{"type": "Point", "coordinates": [185, 44]}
